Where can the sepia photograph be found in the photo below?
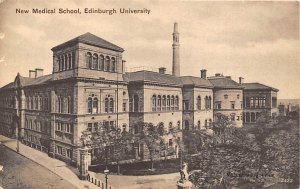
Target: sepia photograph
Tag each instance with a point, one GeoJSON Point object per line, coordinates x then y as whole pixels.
{"type": "Point", "coordinates": [152, 94]}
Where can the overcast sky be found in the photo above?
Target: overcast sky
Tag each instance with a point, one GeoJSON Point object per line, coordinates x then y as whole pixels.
{"type": "Point", "coordinates": [256, 40]}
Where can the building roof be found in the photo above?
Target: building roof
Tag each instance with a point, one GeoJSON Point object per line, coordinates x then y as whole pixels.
{"type": "Point", "coordinates": [258, 86]}
{"type": "Point", "coordinates": [196, 81]}
{"type": "Point", "coordinates": [224, 83]}
{"type": "Point", "coordinates": [152, 77]}
{"type": "Point", "coordinates": [26, 81]}
{"type": "Point", "coordinates": [91, 39]}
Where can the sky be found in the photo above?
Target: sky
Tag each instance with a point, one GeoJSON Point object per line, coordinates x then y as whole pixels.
{"type": "Point", "coordinates": [255, 40]}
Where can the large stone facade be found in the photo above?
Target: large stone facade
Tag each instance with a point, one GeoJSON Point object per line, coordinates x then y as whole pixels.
{"type": "Point", "coordinates": [89, 89]}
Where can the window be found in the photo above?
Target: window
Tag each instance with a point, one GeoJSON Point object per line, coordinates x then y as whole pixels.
{"type": "Point", "coordinates": [95, 62]}
{"type": "Point", "coordinates": [206, 102]}
{"type": "Point", "coordinates": [232, 117]}
{"type": "Point", "coordinates": [170, 142]}
{"type": "Point", "coordinates": [251, 102]}
{"type": "Point", "coordinates": [90, 127]}
{"type": "Point", "coordinates": [107, 64]}
{"type": "Point", "coordinates": [168, 102]}
{"type": "Point", "coordinates": [96, 126]}
{"type": "Point", "coordinates": [199, 125]}
{"type": "Point", "coordinates": [226, 96]}
{"type": "Point", "coordinates": [186, 105]}
{"type": "Point", "coordinates": [69, 105]}
{"type": "Point", "coordinates": [101, 62]}
{"type": "Point", "coordinates": [59, 150]}
{"type": "Point", "coordinates": [36, 100]}
{"type": "Point", "coordinates": [89, 60]}
{"type": "Point", "coordinates": [69, 153]}
{"type": "Point", "coordinates": [170, 126]}
{"type": "Point", "coordinates": [164, 102]}
{"type": "Point", "coordinates": [154, 103]}
{"type": "Point", "coordinates": [95, 105]}
{"type": "Point", "coordinates": [253, 118]}
{"type": "Point", "coordinates": [178, 125]}
{"type": "Point", "coordinates": [106, 105]}
{"type": "Point", "coordinates": [73, 59]}
{"type": "Point", "coordinates": [172, 102]}
{"type": "Point", "coordinates": [113, 65]}
{"type": "Point", "coordinates": [66, 62]}
{"type": "Point", "coordinates": [238, 96]}
{"type": "Point", "coordinates": [263, 102]}
{"type": "Point", "coordinates": [176, 103]}
{"type": "Point", "coordinates": [111, 105]}
{"type": "Point", "coordinates": [159, 103]}
{"type": "Point", "coordinates": [199, 103]}
{"type": "Point", "coordinates": [209, 102]}
{"type": "Point", "coordinates": [232, 105]}
{"type": "Point", "coordinates": [124, 106]}
{"type": "Point", "coordinates": [238, 118]}
{"type": "Point", "coordinates": [218, 105]}
{"type": "Point", "coordinates": [90, 105]}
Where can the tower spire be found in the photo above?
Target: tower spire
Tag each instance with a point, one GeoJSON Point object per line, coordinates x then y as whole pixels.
{"type": "Point", "coordinates": [176, 57]}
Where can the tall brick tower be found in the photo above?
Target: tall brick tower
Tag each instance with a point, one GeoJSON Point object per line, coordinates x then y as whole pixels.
{"type": "Point", "coordinates": [176, 58]}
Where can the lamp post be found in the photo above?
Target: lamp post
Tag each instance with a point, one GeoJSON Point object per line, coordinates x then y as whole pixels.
{"type": "Point", "coordinates": [106, 172]}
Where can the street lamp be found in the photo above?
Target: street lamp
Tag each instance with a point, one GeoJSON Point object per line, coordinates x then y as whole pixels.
{"type": "Point", "coordinates": [106, 172]}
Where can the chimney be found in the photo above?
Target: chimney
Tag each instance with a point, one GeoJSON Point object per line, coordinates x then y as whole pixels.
{"type": "Point", "coordinates": [32, 73]}
{"type": "Point", "coordinates": [241, 80]}
{"type": "Point", "coordinates": [162, 70]}
{"type": "Point", "coordinates": [38, 72]}
{"type": "Point", "coordinates": [218, 75]}
{"type": "Point", "coordinates": [176, 58]}
{"type": "Point", "coordinates": [203, 73]}
{"type": "Point", "coordinates": [228, 77]}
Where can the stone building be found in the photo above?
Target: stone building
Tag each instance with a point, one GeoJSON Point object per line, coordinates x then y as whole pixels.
{"type": "Point", "coordinates": [89, 89]}
{"type": "Point", "coordinates": [258, 98]}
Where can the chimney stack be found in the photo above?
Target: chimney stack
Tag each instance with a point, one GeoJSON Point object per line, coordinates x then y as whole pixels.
{"type": "Point", "coordinates": [32, 73]}
{"type": "Point", "coordinates": [241, 80]}
{"type": "Point", "coordinates": [176, 57]}
{"type": "Point", "coordinates": [162, 70]}
{"type": "Point", "coordinates": [203, 73]}
{"type": "Point", "coordinates": [38, 72]}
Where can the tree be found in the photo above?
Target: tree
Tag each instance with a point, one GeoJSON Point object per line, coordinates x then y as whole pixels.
{"type": "Point", "coordinates": [220, 126]}
{"type": "Point", "coordinates": [150, 136]}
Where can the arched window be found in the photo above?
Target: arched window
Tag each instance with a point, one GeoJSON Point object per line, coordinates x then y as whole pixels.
{"type": "Point", "coordinates": [95, 62]}
{"type": "Point", "coordinates": [101, 62]}
{"type": "Point", "coordinates": [178, 125]}
{"type": "Point", "coordinates": [70, 61]}
{"type": "Point", "coordinates": [136, 103]}
{"type": "Point", "coordinates": [88, 60]}
{"type": "Point", "coordinates": [36, 101]}
{"type": "Point", "coordinates": [111, 105]}
{"type": "Point", "coordinates": [62, 108]}
{"type": "Point", "coordinates": [170, 126]}
{"type": "Point", "coordinates": [206, 102]}
{"type": "Point", "coordinates": [66, 62]}
{"type": "Point", "coordinates": [73, 59]}
{"type": "Point", "coordinates": [168, 102]}
{"type": "Point", "coordinates": [95, 105]}
{"type": "Point", "coordinates": [159, 103]}
{"type": "Point", "coordinates": [107, 64]}
{"type": "Point", "coordinates": [199, 125]}
{"type": "Point", "coordinates": [69, 105]}
{"type": "Point", "coordinates": [106, 105]}
{"type": "Point", "coordinates": [113, 64]}
{"type": "Point", "coordinates": [209, 102]}
{"type": "Point", "coordinates": [90, 105]}
{"type": "Point", "coordinates": [154, 103]}
{"type": "Point", "coordinates": [60, 63]}
{"type": "Point", "coordinates": [176, 103]}
{"type": "Point", "coordinates": [172, 102]}
{"type": "Point", "coordinates": [199, 103]}
{"type": "Point", "coordinates": [164, 102]}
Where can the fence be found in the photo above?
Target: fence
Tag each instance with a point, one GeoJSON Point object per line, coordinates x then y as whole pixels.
{"type": "Point", "coordinates": [92, 178]}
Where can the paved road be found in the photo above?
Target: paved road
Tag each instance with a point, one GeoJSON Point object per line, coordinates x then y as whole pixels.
{"type": "Point", "coordinates": [22, 173]}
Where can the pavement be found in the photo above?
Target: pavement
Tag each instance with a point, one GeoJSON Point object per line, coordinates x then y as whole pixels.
{"type": "Point", "coordinates": [70, 174]}
{"type": "Point", "coordinates": [56, 166]}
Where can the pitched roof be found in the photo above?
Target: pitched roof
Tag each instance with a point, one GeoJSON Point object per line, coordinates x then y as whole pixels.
{"type": "Point", "coordinates": [224, 83]}
{"type": "Point", "coordinates": [91, 39]}
{"type": "Point", "coordinates": [258, 86]}
{"type": "Point", "coordinates": [196, 81]}
{"type": "Point", "coordinates": [152, 77]}
{"type": "Point", "coordinates": [26, 81]}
